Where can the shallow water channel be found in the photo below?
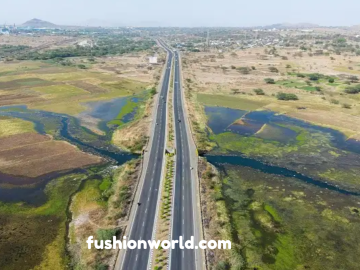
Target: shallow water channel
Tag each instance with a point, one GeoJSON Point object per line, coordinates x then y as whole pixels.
{"type": "Point", "coordinates": [66, 128]}
{"type": "Point", "coordinates": [270, 126]}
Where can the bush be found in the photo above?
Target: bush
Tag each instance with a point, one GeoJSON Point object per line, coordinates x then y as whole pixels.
{"type": "Point", "coordinates": [346, 106]}
{"type": "Point", "coordinates": [106, 234]}
{"type": "Point", "coordinates": [153, 91]}
{"type": "Point", "coordinates": [334, 101]}
{"type": "Point", "coordinates": [243, 70]}
{"type": "Point", "coordinates": [259, 92]}
{"type": "Point", "coordinates": [273, 69]}
{"type": "Point", "coordinates": [269, 81]}
{"type": "Point", "coordinates": [314, 77]}
{"type": "Point", "coordinates": [353, 90]}
{"type": "Point", "coordinates": [285, 96]}
{"type": "Point", "coordinates": [331, 80]}
{"type": "Point", "coordinates": [300, 75]}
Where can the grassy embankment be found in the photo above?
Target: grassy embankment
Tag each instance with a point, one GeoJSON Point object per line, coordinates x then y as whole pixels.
{"type": "Point", "coordinates": [35, 236]}
{"type": "Point", "coordinates": [99, 209]}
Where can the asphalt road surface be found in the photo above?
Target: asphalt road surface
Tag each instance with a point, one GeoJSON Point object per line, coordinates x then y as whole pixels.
{"type": "Point", "coordinates": [183, 220]}
{"type": "Point", "coordinates": [142, 227]}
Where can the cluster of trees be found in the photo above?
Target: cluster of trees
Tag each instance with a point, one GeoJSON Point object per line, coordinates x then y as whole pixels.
{"type": "Point", "coordinates": [6, 50]}
{"type": "Point", "coordinates": [105, 46]}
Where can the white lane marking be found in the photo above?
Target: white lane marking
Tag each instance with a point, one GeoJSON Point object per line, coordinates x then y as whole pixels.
{"type": "Point", "coordinates": [145, 210]}
{"type": "Point", "coordinates": [137, 256]}
{"type": "Point", "coordinates": [143, 223]}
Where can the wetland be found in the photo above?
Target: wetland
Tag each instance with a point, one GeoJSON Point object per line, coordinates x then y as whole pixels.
{"type": "Point", "coordinates": [290, 188]}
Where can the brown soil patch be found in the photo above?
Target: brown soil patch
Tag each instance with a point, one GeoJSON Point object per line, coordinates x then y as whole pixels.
{"type": "Point", "coordinates": [33, 155]}
{"type": "Point", "coordinates": [88, 87]}
{"type": "Point", "coordinates": [9, 99]}
{"type": "Point", "coordinates": [20, 83]}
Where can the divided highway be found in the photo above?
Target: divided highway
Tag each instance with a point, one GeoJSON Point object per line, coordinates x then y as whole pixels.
{"type": "Point", "coordinates": [183, 214]}
{"type": "Point", "coordinates": [143, 223]}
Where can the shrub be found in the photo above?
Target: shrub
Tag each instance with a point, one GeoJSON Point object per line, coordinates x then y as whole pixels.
{"type": "Point", "coordinates": [318, 88]}
{"type": "Point", "coordinates": [106, 234]}
{"type": "Point", "coordinates": [346, 106]}
{"type": "Point", "coordinates": [273, 69]}
{"type": "Point", "coordinates": [314, 77]}
{"type": "Point", "coordinates": [269, 81]}
{"type": "Point", "coordinates": [285, 96]}
{"type": "Point", "coordinates": [331, 80]}
{"type": "Point", "coordinates": [153, 91]}
{"type": "Point", "coordinates": [259, 92]}
{"type": "Point", "coordinates": [300, 75]}
{"type": "Point", "coordinates": [353, 90]}
{"type": "Point", "coordinates": [334, 101]}
{"type": "Point", "coordinates": [243, 70]}
{"type": "Point", "coordinates": [353, 79]}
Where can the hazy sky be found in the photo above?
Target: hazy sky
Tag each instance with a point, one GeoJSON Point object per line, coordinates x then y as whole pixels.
{"type": "Point", "coordinates": [182, 13]}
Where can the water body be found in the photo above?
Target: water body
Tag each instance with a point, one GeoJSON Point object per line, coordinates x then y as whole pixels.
{"type": "Point", "coordinates": [69, 129]}
{"type": "Point", "coordinates": [249, 123]}
{"type": "Point", "coordinates": [102, 112]}
{"type": "Point", "coordinates": [219, 161]}
{"type": "Point", "coordinates": [220, 118]}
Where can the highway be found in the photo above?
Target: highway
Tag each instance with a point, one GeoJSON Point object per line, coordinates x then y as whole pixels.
{"type": "Point", "coordinates": [183, 216]}
{"type": "Point", "coordinates": [143, 223]}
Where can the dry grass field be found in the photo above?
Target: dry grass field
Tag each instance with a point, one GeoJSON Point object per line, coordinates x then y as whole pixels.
{"type": "Point", "coordinates": [33, 155]}
{"type": "Point", "coordinates": [223, 74]}
{"type": "Point", "coordinates": [53, 87]}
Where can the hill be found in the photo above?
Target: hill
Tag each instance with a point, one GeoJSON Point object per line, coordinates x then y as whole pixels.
{"type": "Point", "coordinates": [291, 25]}
{"type": "Point", "coordinates": [36, 23]}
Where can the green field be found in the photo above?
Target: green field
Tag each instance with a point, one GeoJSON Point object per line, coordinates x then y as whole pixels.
{"type": "Point", "coordinates": [284, 227]}
{"type": "Point", "coordinates": [12, 126]}
{"type": "Point", "coordinates": [229, 102]}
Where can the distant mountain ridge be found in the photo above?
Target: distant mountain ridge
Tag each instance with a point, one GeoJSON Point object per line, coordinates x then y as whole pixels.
{"type": "Point", "coordinates": [37, 23]}
{"type": "Point", "coordinates": [291, 25]}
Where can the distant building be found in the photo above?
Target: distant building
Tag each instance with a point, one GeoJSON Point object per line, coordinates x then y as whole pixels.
{"type": "Point", "coordinates": [153, 60]}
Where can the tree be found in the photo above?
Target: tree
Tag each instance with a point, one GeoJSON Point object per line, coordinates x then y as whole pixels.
{"type": "Point", "coordinates": [235, 91]}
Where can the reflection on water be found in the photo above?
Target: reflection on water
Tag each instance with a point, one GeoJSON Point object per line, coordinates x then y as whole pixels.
{"type": "Point", "coordinates": [248, 124]}
{"type": "Point", "coordinates": [99, 113]}
{"type": "Point", "coordinates": [220, 118]}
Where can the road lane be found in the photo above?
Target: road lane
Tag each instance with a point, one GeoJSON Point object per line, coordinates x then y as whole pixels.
{"type": "Point", "coordinates": [183, 222]}
{"type": "Point", "coordinates": [143, 224]}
